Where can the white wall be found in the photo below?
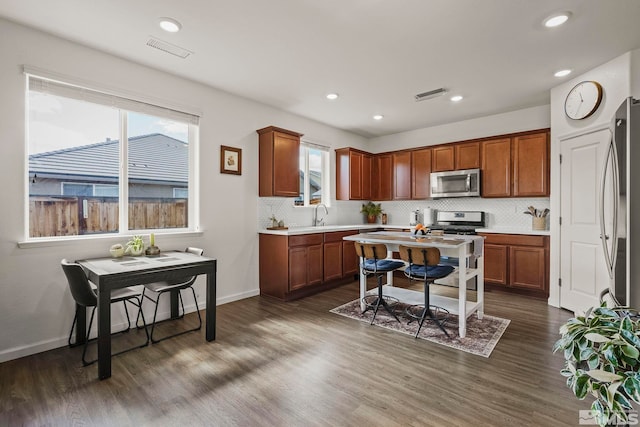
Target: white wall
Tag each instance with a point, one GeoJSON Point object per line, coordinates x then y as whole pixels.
{"type": "Point", "coordinates": [499, 124]}
{"type": "Point", "coordinates": [36, 308]}
{"type": "Point", "coordinates": [615, 78]}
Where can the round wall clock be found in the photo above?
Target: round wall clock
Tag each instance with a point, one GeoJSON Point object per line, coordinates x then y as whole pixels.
{"type": "Point", "coordinates": [583, 100]}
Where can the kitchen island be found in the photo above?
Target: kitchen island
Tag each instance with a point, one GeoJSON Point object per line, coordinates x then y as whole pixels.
{"type": "Point", "coordinates": [463, 248]}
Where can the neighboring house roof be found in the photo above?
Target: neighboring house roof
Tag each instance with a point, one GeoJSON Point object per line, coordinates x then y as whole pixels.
{"type": "Point", "coordinates": [154, 157]}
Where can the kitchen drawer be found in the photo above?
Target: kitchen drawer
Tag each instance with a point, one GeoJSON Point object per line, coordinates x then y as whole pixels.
{"type": "Point", "coordinates": [337, 236]}
{"type": "Point", "coordinates": [305, 239]}
{"type": "Point", "coordinates": [514, 239]}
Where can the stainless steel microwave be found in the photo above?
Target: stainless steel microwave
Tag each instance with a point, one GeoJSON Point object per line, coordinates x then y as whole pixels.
{"type": "Point", "coordinates": [463, 183]}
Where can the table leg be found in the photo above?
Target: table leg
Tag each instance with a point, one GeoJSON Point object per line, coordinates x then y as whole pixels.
{"type": "Point", "coordinates": [104, 332]}
{"type": "Point", "coordinates": [81, 324]}
{"type": "Point", "coordinates": [363, 285]}
{"type": "Point", "coordinates": [462, 291]}
{"type": "Point", "coordinates": [480, 289]}
{"type": "Point", "coordinates": [210, 313]}
{"type": "Point", "coordinates": [390, 273]}
{"type": "Point", "coordinates": [173, 303]}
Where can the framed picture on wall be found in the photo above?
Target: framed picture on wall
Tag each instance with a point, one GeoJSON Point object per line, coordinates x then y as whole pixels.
{"type": "Point", "coordinates": [230, 160]}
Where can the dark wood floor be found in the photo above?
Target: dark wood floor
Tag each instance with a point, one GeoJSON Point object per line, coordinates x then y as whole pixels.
{"type": "Point", "coordinates": [296, 364]}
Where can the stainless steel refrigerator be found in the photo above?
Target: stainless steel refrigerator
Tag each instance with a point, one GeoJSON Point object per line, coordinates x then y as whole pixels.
{"type": "Point", "coordinates": [620, 206]}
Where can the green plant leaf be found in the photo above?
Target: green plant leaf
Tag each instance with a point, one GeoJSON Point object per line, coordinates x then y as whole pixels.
{"type": "Point", "coordinates": [587, 353]}
{"type": "Point", "coordinates": [594, 337]}
{"type": "Point", "coordinates": [626, 324]}
{"type": "Point", "coordinates": [630, 338]}
{"type": "Point", "coordinates": [593, 362]}
{"type": "Point", "coordinates": [622, 400]}
{"type": "Point", "coordinates": [581, 386]}
{"type": "Point", "coordinates": [603, 376]}
{"type": "Point", "coordinates": [607, 312]}
{"type": "Point", "coordinates": [600, 413]}
{"type": "Point", "coordinates": [610, 355]}
{"type": "Point", "coordinates": [630, 351]}
{"type": "Point", "coordinates": [631, 387]}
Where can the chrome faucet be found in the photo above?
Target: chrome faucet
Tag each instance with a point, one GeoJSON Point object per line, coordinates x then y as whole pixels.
{"type": "Point", "coordinates": [320, 221]}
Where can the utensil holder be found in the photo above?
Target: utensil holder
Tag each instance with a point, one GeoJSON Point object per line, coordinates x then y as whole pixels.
{"type": "Point", "coordinates": [539, 223]}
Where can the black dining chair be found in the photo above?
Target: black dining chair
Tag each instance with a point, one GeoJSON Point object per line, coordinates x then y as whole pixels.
{"type": "Point", "coordinates": [84, 294]}
{"type": "Point", "coordinates": [179, 285]}
{"type": "Point", "coordinates": [375, 262]}
{"type": "Point", "coordinates": [424, 264]}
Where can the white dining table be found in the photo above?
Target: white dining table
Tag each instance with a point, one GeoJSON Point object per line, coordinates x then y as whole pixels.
{"type": "Point", "coordinates": [461, 247]}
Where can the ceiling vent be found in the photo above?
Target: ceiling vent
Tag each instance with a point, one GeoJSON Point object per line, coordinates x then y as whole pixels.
{"type": "Point", "coordinates": [430, 94]}
{"type": "Point", "coordinates": [168, 47]}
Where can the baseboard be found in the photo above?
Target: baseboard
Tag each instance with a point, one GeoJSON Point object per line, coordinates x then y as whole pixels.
{"type": "Point", "coordinates": [46, 345]}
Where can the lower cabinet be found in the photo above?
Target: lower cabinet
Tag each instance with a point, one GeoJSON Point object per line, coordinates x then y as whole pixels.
{"type": "Point", "coordinates": [517, 262]}
{"type": "Point", "coordinates": [295, 266]}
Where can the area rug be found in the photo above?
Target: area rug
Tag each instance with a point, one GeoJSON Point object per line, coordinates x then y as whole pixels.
{"type": "Point", "coordinates": [482, 335]}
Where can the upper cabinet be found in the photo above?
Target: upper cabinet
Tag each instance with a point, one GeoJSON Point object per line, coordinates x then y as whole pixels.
{"type": "Point", "coordinates": [421, 173]}
{"type": "Point", "coordinates": [495, 171]}
{"type": "Point", "coordinates": [467, 155]}
{"type": "Point", "coordinates": [443, 159]}
{"type": "Point", "coordinates": [516, 167]}
{"type": "Point", "coordinates": [531, 165]}
{"type": "Point", "coordinates": [279, 169]}
{"type": "Point", "coordinates": [456, 156]}
{"type": "Point", "coordinates": [402, 175]}
{"type": "Point", "coordinates": [382, 177]}
{"type": "Point", "coordinates": [353, 174]}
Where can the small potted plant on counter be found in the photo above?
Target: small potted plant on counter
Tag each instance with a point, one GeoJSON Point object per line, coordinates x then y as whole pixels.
{"type": "Point", "coordinates": [372, 211]}
{"type": "Point", "coordinates": [135, 246]}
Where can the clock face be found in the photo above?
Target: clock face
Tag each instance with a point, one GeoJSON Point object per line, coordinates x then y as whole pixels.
{"type": "Point", "coordinates": [583, 100]}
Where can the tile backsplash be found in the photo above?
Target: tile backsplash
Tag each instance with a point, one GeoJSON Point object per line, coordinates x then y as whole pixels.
{"type": "Point", "coordinates": [507, 212]}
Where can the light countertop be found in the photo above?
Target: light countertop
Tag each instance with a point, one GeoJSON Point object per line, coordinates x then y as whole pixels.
{"type": "Point", "coordinates": [514, 230]}
{"type": "Point", "coordinates": [367, 227]}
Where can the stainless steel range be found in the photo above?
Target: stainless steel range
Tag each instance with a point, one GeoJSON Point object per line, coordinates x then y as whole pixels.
{"type": "Point", "coordinates": [459, 222]}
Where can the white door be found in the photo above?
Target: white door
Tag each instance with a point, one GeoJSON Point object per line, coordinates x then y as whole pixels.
{"type": "Point", "coordinates": [583, 268]}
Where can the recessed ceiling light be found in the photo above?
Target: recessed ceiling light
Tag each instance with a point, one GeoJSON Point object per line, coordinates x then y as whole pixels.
{"type": "Point", "coordinates": [562, 73]}
{"type": "Point", "coordinates": [332, 96]}
{"type": "Point", "coordinates": [378, 117]}
{"type": "Point", "coordinates": [557, 19]}
{"type": "Point", "coordinates": [456, 98]}
{"type": "Point", "coordinates": [170, 25]}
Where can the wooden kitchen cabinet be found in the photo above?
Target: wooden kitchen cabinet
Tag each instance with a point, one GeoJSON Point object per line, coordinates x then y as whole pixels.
{"type": "Point", "coordinates": [382, 177]}
{"type": "Point", "coordinates": [305, 260]}
{"type": "Point", "coordinates": [517, 262]}
{"type": "Point", "coordinates": [279, 169]}
{"type": "Point", "coordinates": [443, 158]}
{"type": "Point", "coordinates": [516, 167]}
{"type": "Point", "coordinates": [531, 165]}
{"type": "Point", "coordinates": [292, 267]}
{"type": "Point", "coordinates": [495, 173]}
{"type": "Point", "coordinates": [467, 155]}
{"type": "Point", "coordinates": [420, 174]}
{"type": "Point", "coordinates": [401, 175]}
{"type": "Point", "coordinates": [353, 174]}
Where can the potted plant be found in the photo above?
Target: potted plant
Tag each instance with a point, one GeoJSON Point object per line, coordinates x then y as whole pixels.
{"type": "Point", "coordinates": [602, 351]}
{"type": "Point", "coordinates": [135, 246]}
{"type": "Point", "coordinates": [372, 211]}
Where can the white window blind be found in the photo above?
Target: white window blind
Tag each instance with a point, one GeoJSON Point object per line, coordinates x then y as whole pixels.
{"type": "Point", "coordinates": [45, 85]}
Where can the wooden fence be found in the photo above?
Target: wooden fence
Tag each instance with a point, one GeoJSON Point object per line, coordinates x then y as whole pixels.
{"type": "Point", "coordinates": [69, 216]}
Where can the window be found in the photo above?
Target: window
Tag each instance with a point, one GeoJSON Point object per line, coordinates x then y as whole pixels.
{"type": "Point", "coordinates": [314, 174]}
{"type": "Point", "coordinates": [78, 141]}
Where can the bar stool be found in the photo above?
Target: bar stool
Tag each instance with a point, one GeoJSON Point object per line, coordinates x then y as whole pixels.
{"type": "Point", "coordinates": [375, 261]}
{"type": "Point", "coordinates": [424, 265]}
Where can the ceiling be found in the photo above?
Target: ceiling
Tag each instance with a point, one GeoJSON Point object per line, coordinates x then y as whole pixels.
{"type": "Point", "coordinates": [377, 54]}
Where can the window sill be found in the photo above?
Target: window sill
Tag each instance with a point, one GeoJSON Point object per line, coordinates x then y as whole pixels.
{"type": "Point", "coordinates": [115, 238]}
